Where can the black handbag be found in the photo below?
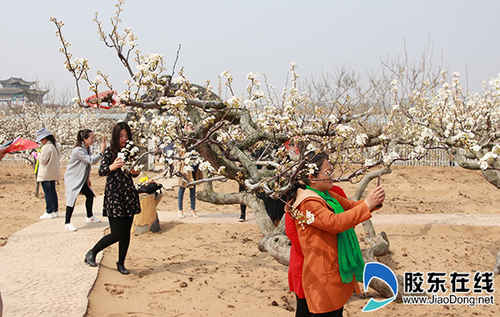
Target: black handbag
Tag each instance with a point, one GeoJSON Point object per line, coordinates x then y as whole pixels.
{"type": "Point", "coordinates": [150, 188]}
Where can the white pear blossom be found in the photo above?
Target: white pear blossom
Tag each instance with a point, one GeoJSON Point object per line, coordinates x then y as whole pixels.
{"type": "Point", "coordinates": [361, 139]}
{"type": "Point", "coordinates": [178, 80]}
{"type": "Point", "coordinates": [221, 170]}
{"type": "Point", "coordinates": [476, 148]}
{"type": "Point", "coordinates": [312, 168]}
{"type": "Point", "coordinates": [309, 217]}
{"type": "Point", "coordinates": [206, 166]}
{"type": "Point", "coordinates": [258, 93]}
{"type": "Point", "coordinates": [187, 169]}
{"type": "Point", "coordinates": [344, 130]}
{"type": "Point", "coordinates": [251, 76]}
{"type": "Point", "coordinates": [227, 75]}
{"type": "Point", "coordinates": [370, 162]}
{"type": "Point", "coordinates": [234, 102]}
{"type": "Point", "coordinates": [389, 157]}
{"type": "Point", "coordinates": [311, 147]}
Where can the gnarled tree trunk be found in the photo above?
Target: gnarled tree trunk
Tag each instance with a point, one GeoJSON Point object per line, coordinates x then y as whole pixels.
{"type": "Point", "coordinates": [277, 244]}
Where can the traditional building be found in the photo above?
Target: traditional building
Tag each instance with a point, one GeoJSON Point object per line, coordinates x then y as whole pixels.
{"type": "Point", "coordinates": [17, 90]}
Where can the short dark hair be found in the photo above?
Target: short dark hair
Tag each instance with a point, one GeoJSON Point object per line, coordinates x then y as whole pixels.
{"type": "Point", "coordinates": [115, 136]}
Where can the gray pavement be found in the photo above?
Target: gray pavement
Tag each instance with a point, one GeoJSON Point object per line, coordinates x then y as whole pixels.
{"type": "Point", "coordinates": [43, 273]}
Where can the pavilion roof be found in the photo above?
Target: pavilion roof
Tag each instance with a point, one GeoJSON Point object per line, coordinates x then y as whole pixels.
{"type": "Point", "coordinates": [16, 80]}
{"type": "Point", "coordinates": [15, 91]}
{"type": "Point", "coordinates": [11, 91]}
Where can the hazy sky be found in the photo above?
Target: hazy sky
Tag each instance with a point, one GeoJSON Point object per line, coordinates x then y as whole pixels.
{"type": "Point", "coordinates": [261, 36]}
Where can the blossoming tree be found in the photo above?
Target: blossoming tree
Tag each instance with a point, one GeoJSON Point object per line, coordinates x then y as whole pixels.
{"type": "Point", "coordinates": [25, 119]}
{"type": "Point", "coordinates": [242, 138]}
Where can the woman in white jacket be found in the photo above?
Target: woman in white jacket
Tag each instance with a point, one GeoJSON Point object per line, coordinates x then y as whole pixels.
{"type": "Point", "coordinates": [76, 178]}
{"type": "Point", "coordinates": [48, 171]}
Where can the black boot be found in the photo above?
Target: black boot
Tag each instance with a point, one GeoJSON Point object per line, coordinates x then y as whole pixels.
{"type": "Point", "coordinates": [242, 216]}
{"type": "Point", "coordinates": [121, 268]}
{"type": "Point", "coordinates": [90, 258]}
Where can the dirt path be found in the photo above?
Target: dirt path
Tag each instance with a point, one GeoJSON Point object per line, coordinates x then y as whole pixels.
{"type": "Point", "coordinates": [45, 263]}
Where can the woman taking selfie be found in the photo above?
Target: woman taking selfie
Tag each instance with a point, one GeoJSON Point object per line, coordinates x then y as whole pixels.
{"type": "Point", "coordinates": [121, 199]}
{"type": "Point", "coordinates": [325, 224]}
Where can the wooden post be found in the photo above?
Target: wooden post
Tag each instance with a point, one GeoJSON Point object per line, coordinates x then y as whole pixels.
{"type": "Point", "coordinates": [147, 219]}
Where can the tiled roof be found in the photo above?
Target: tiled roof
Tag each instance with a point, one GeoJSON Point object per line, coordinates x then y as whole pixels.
{"type": "Point", "coordinates": [16, 91]}
{"type": "Point", "coordinates": [14, 80]}
{"type": "Point", "coordinates": [11, 91]}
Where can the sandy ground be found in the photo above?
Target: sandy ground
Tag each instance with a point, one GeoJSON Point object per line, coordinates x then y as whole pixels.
{"type": "Point", "coordinates": [191, 269]}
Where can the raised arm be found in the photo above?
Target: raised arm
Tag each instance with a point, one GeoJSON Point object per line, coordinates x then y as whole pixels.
{"type": "Point", "coordinates": [81, 155]}
{"type": "Point", "coordinates": [326, 220]}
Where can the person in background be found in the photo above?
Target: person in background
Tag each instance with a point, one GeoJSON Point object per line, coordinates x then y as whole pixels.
{"type": "Point", "coordinates": [186, 178]}
{"type": "Point", "coordinates": [76, 178]}
{"type": "Point", "coordinates": [48, 171]}
{"type": "Point", "coordinates": [297, 261]}
{"type": "Point", "coordinates": [121, 199]}
{"type": "Point", "coordinates": [324, 221]}
{"type": "Point", "coordinates": [243, 207]}
{"type": "Point", "coordinates": [168, 151]}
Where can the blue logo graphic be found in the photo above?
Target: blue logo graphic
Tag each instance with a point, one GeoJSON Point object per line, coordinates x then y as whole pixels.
{"type": "Point", "coordinates": [384, 273]}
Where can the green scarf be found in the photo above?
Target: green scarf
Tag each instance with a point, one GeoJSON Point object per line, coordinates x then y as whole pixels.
{"type": "Point", "coordinates": [349, 253]}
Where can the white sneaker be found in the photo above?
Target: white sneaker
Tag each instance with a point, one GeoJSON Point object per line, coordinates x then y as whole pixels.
{"type": "Point", "coordinates": [46, 216]}
{"type": "Point", "coordinates": [93, 219]}
{"type": "Point", "coordinates": [54, 214]}
{"type": "Point", "coordinates": [69, 227]}
{"type": "Point", "coordinates": [180, 214]}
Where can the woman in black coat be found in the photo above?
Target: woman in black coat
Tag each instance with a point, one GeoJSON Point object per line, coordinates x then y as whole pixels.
{"type": "Point", "coordinates": [121, 200]}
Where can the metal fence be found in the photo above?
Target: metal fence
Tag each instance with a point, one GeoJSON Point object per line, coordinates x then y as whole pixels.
{"type": "Point", "coordinates": [435, 157]}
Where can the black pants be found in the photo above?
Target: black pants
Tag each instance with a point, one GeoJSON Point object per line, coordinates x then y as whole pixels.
{"type": "Point", "coordinates": [303, 310]}
{"type": "Point", "coordinates": [243, 207]}
{"type": "Point", "coordinates": [88, 203]}
{"type": "Point", "coordinates": [49, 191]}
{"type": "Point", "coordinates": [120, 232]}
{"type": "Point", "coordinates": [275, 208]}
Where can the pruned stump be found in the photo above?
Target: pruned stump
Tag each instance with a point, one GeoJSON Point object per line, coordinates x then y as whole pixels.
{"type": "Point", "coordinates": [147, 219]}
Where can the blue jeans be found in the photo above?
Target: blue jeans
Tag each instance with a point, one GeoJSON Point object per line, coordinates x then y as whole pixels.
{"type": "Point", "coordinates": [49, 190]}
{"type": "Point", "coordinates": [192, 197]}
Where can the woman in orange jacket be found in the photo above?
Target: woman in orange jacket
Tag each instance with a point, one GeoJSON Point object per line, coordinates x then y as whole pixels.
{"type": "Point", "coordinates": [297, 261]}
{"type": "Point", "coordinates": [324, 221]}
